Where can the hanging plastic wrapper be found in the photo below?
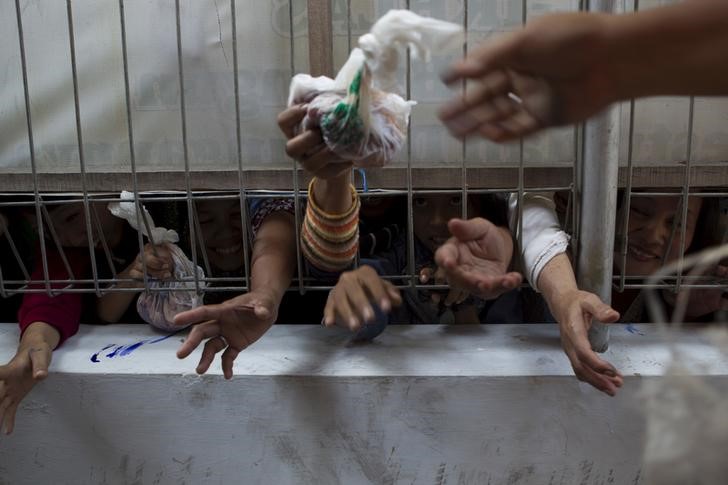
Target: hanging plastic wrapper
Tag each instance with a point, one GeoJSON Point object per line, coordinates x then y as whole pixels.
{"type": "Point", "coordinates": [686, 410]}
{"type": "Point", "coordinates": [158, 308]}
{"type": "Point", "coordinates": [358, 114]}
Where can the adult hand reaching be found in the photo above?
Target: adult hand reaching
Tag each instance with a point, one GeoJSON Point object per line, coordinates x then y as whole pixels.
{"type": "Point", "coordinates": [231, 326]}
{"type": "Point", "coordinates": [548, 73]}
{"type": "Point", "coordinates": [477, 258]}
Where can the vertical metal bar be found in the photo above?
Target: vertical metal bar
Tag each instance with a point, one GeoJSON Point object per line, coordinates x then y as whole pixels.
{"type": "Point", "coordinates": [296, 184]}
{"type": "Point", "coordinates": [201, 240]}
{"type": "Point", "coordinates": [686, 192]}
{"type": "Point", "coordinates": [519, 233]}
{"type": "Point", "coordinates": [410, 211]}
{"type": "Point", "coordinates": [348, 25]}
{"type": "Point", "coordinates": [598, 204]}
{"type": "Point", "coordinates": [185, 148]}
{"type": "Point", "coordinates": [31, 146]}
{"type": "Point", "coordinates": [132, 150]}
{"type": "Point", "coordinates": [463, 146]}
{"type": "Point", "coordinates": [79, 140]}
{"type": "Point", "coordinates": [627, 200]}
{"type": "Point", "coordinates": [242, 182]}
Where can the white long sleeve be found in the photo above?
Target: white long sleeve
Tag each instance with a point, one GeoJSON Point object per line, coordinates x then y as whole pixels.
{"type": "Point", "coordinates": [542, 235]}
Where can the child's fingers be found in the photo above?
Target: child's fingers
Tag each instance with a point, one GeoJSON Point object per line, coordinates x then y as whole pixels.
{"type": "Point", "coordinates": [378, 292]}
{"type": "Point", "coordinates": [454, 296]}
{"type": "Point", "coordinates": [393, 293]}
{"type": "Point", "coordinates": [344, 311]}
{"type": "Point", "coordinates": [330, 311]}
{"type": "Point", "coordinates": [212, 347]}
{"type": "Point", "coordinates": [425, 275]}
{"type": "Point", "coordinates": [359, 300]}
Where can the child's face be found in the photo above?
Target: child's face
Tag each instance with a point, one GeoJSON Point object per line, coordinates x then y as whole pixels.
{"type": "Point", "coordinates": [431, 215]}
{"type": "Point", "coordinates": [222, 232]}
{"type": "Point", "coordinates": [650, 226]}
{"type": "Point", "coordinates": [69, 223]}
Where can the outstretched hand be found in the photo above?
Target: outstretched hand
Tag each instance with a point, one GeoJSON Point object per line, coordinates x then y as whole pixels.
{"type": "Point", "coordinates": [575, 311]}
{"type": "Point", "coordinates": [230, 327]}
{"type": "Point", "coordinates": [548, 73]}
{"type": "Point", "coordinates": [25, 370]}
{"type": "Point", "coordinates": [477, 258]}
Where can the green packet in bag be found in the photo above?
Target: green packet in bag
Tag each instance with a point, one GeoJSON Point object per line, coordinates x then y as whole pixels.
{"type": "Point", "coordinates": [359, 116]}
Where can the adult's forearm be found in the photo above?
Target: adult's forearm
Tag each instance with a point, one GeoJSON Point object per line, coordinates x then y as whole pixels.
{"type": "Point", "coordinates": [680, 49]}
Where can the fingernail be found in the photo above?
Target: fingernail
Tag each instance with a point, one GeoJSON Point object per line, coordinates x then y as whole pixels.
{"type": "Point", "coordinates": [385, 305]}
{"type": "Point", "coordinates": [368, 315]}
{"type": "Point", "coordinates": [353, 323]}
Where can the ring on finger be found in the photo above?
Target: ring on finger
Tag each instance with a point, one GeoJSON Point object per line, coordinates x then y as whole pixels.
{"type": "Point", "coordinates": [224, 341]}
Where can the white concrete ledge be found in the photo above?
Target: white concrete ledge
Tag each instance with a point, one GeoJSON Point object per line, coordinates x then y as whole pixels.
{"type": "Point", "coordinates": [422, 404]}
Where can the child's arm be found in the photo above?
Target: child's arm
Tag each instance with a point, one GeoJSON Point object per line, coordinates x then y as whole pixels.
{"type": "Point", "coordinates": [30, 365]}
{"type": "Point", "coordinates": [574, 310]}
{"type": "Point", "coordinates": [111, 307]}
{"type": "Point", "coordinates": [237, 323]}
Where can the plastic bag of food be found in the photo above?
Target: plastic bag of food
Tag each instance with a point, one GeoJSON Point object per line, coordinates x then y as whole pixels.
{"type": "Point", "coordinates": [357, 113]}
{"type": "Point", "coordinates": [158, 308]}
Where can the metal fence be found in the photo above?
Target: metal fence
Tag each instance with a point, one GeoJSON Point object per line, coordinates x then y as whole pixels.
{"type": "Point", "coordinates": [606, 153]}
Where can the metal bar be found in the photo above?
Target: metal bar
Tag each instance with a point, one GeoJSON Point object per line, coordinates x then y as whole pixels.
{"type": "Point", "coordinates": [627, 201]}
{"type": "Point", "coordinates": [79, 140]}
{"type": "Point", "coordinates": [411, 268]}
{"type": "Point", "coordinates": [296, 185]}
{"type": "Point", "coordinates": [519, 232]}
{"type": "Point", "coordinates": [132, 150]}
{"type": "Point", "coordinates": [463, 145]}
{"type": "Point", "coordinates": [598, 204]}
{"type": "Point", "coordinates": [201, 240]}
{"type": "Point", "coordinates": [16, 254]}
{"type": "Point", "coordinates": [686, 191]}
{"type": "Point", "coordinates": [242, 182]}
{"type": "Point", "coordinates": [31, 148]}
{"type": "Point", "coordinates": [185, 146]}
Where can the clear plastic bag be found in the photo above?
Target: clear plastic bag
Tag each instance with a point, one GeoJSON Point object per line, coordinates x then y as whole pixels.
{"type": "Point", "coordinates": [158, 308]}
{"type": "Point", "coordinates": [687, 430]}
{"type": "Point", "coordinates": [358, 115]}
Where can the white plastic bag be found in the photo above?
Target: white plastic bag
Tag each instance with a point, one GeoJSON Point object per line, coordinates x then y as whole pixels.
{"type": "Point", "coordinates": [158, 308]}
{"type": "Point", "coordinates": [357, 113]}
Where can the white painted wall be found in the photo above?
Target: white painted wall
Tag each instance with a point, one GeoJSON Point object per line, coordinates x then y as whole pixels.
{"type": "Point", "coordinates": [423, 404]}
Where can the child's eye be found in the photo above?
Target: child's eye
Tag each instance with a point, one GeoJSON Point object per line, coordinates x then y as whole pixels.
{"type": "Point", "coordinates": [639, 212]}
{"type": "Point", "coordinates": [419, 202]}
{"type": "Point", "coordinates": [456, 201]}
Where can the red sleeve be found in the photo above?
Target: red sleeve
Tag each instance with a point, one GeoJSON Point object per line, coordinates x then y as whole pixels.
{"type": "Point", "coordinates": [62, 311]}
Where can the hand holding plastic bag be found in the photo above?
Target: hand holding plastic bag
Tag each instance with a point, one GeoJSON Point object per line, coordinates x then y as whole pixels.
{"type": "Point", "coordinates": [357, 113]}
{"type": "Point", "coordinates": [158, 308]}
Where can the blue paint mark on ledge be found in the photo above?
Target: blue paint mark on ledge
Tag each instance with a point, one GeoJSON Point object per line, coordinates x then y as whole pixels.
{"type": "Point", "coordinates": [633, 330]}
{"type": "Point", "coordinates": [128, 349]}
